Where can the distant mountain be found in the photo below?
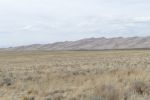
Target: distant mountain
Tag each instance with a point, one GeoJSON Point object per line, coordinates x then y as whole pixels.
{"type": "Point", "coordinates": [92, 44]}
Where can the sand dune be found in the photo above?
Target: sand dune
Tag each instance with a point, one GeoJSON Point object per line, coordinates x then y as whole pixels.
{"type": "Point", "coordinates": [92, 44]}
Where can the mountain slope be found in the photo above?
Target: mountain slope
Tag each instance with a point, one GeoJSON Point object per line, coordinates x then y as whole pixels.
{"type": "Point", "coordinates": [92, 44]}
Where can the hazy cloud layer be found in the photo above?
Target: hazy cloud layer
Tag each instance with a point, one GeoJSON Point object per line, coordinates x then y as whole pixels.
{"type": "Point", "coordinates": [42, 21]}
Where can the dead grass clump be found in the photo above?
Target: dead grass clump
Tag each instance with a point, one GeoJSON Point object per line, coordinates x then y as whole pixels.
{"type": "Point", "coordinates": [7, 82]}
{"type": "Point", "coordinates": [107, 92]}
{"type": "Point", "coordinates": [32, 92]}
{"type": "Point", "coordinates": [29, 98]}
{"type": "Point", "coordinates": [94, 98]}
{"type": "Point", "coordinates": [6, 79]}
{"type": "Point", "coordinates": [55, 97]}
{"type": "Point", "coordinates": [140, 88]}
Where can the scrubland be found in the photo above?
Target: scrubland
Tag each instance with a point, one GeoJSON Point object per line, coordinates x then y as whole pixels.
{"type": "Point", "coordinates": [75, 75]}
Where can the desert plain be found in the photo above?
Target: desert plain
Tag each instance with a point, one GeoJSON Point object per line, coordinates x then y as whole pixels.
{"type": "Point", "coordinates": [75, 75]}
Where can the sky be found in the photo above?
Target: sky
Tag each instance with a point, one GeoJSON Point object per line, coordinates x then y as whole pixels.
{"type": "Point", "coordinates": [24, 22]}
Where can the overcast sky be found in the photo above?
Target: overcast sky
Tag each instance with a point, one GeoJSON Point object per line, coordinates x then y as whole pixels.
{"type": "Point", "coordinates": [24, 22]}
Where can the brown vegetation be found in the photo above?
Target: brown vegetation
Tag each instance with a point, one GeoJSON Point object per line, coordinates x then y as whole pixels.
{"type": "Point", "coordinates": [75, 75]}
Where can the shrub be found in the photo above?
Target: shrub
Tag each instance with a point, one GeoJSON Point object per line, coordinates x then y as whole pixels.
{"type": "Point", "coordinates": [140, 88]}
{"type": "Point", "coordinates": [107, 92]}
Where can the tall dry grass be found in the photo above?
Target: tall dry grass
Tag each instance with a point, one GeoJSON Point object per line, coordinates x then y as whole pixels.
{"type": "Point", "coordinates": [75, 75]}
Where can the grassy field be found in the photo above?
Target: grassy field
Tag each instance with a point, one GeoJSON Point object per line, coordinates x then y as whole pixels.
{"type": "Point", "coordinates": [75, 75]}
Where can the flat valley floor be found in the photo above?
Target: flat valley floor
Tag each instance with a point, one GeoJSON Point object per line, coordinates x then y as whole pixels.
{"type": "Point", "coordinates": [75, 75]}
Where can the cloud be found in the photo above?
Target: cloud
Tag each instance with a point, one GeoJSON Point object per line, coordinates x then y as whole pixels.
{"type": "Point", "coordinates": [142, 19]}
{"type": "Point", "coordinates": [43, 21]}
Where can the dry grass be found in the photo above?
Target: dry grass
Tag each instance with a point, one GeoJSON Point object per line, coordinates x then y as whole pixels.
{"type": "Point", "coordinates": [75, 75]}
